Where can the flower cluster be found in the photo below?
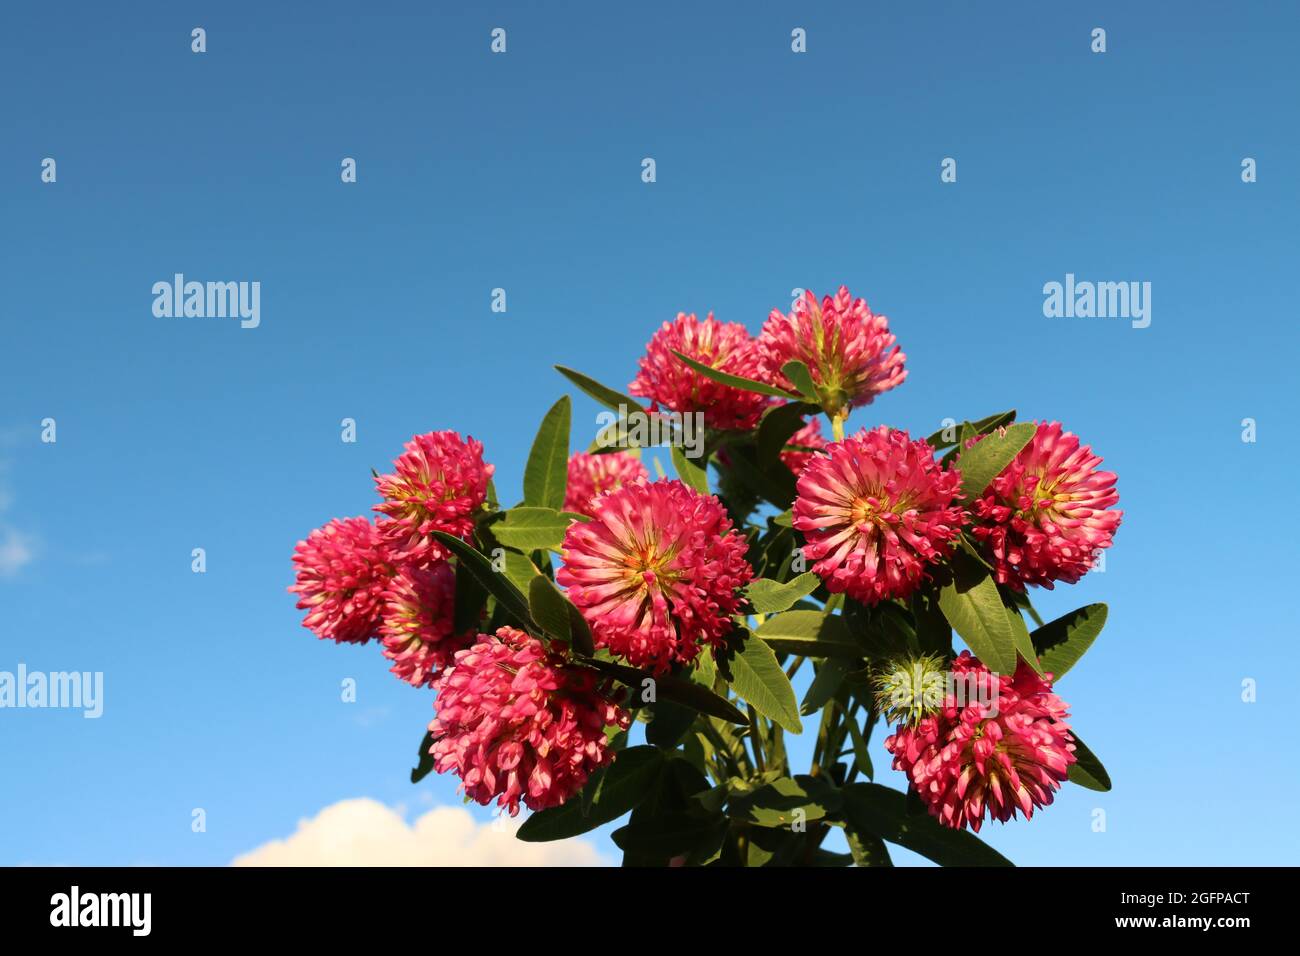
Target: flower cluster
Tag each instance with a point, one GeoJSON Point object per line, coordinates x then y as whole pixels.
{"type": "Point", "coordinates": [516, 724]}
{"type": "Point", "coordinates": [671, 384]}
{"type": "Point", "coordinates": [359, 579]}
{"type": "Point", "coordinates": [876, 510]}
{"type": "Point", "coordinates": [343, 570]}
{"type": "Point", "coordinates": [617, 583]}
{"type": "Point", "coordinates": [997, 744]}
{"type": "Point", "coordinates": [848, 349]}
{"type": "Point", "coordinates": [592, 475]}
{"type": "Point", "coordinates": [1047, 514]}
{"type": "Point", "coordinates": [436, 485]}
{"type": "Point", "coordinates": [657, 572]}
{"type": "Point", "coordinates": [418, 624]}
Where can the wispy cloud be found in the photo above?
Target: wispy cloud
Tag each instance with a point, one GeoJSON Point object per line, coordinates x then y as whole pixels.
{"type": "Point", "coordinates": [16, 549]}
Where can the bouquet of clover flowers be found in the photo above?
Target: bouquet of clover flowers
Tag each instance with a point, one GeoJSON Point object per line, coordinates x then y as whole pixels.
{"type": "Point", "coordinates": [605, 598]}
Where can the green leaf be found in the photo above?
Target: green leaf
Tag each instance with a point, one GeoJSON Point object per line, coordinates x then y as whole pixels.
{"type": "Point", "coordinates": [1061, 643]}
{"type": "Point", "coordinates": [669, 721]}
{"type": "Point", "coordinates": [867, 850]}
{"type": "Point", "coordinates": [580, 630]}
{"type": "Point", "coordinates": [776, 427]}
{"type": "Point", "coordinates": [809, 634]}
{"type": "Point", "coordinates": [498, 585]}
{"type": "Point", "coordinates": [984, 460]}
{"type": "Point", "coordinates": [518, 569]}
{"type": "Point", "coordinates": [620, 787]}
{"type": "Point", "coordinates": [605, 395]}
{"type": "Point", "coordinates": [873, 809]}
{"type": "Point", "coordinates": [830, 674]}
{"type": "Point", "coordinates": [470, 600]}
{"type": "Point", "coordinates": [974, 608]}
{"type": "Point", "coordinates": [425, 765]}
{"type": "Point", "coordinates": [670, 687]}
{"type": "Point", "coordinates": [757, 678]}
{"type": "Point", "coordinates": [772, 846]}
{"type": "Point", "coordinates": [773, 482]}
{"type": "Point", "coordinates": [824, 857]}
{"type": "Point", "coordinates": [769, 597]}
{"type": "Point", "coordinates": [556, 615]}
{"type": "Point", "coordinates": [693, 472]}
{"type": "Point", "coordinates": [972, 547]}
{"type": "Point", "coordinates": [549, 607]}
{"type": "Point", "coordinates": [861, 752]}
{"type": "Point", "coordinates": [1087, 770]}
{"type": "Point", "coordinates": [735, 381]}
{"type": "Point", "coordinates": [799, 376]}
{"type": "Point", "coordinates": [777, 804]}
{"type": "Point", "coordinates": [933, 633]}
{"type": "Point", "coordinates": [667, 835]}
{"type": "Point", "coordinates": [546, 474]}
{"type": "Point", "coordinates": [1024, 644]}
{"type": "Point", "coordinates": [529, 528]}
{"type": "Point", "coordinates": [980, 427]}
{"type": "Point", "coordinates": [630, 434]}
{"type": "Point", "coordinates": [1021, 600]}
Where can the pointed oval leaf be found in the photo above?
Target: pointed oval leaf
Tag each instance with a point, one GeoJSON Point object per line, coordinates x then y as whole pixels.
{"type": "Point", "coordinates": [425, 765]}
{"type": "Point", "coordinates": [777, 804]}
{"type": "Point", "coordinates": [736, 381]}
{"type": "Point", "coordinates": [799, 376]}
{"type": "Point", "coordinates": [547, 472]}
{"type": "Point", "coordinates": [1061, 643]}
{"type": "Point", "coordinates": [757, 678]}
{"type": "Point", "coordinates": [529, 528]}
{"type": "Point", "coordinates": [974, 608]}
{"type": "Point", "coordinates": [556, 615]}
{"type": "Point", "coordinates": [518, 569]}
{"type": "Point", "coordinates": [809, 634]}
{"type": "Point", "coordinates": [670, 687]}
{"type": "Point", "coordinates": [1087, 770]}
{"type": "Point", "coordinates": [830, 674]}
{"type": "Point", "coordinates": [778, 424]}
{"type": "Point", "coordinates": [498, 585]}
{"type": "Point", "coordinates": [937, 441]}
{"type": "Point", "coordinates": [549, 608]}
{"type": "Point", "coordinates": [984, 460]}
{"type": "Point", "coordinates": [1024, 643]}
{"type": "Point", "coordinates": [874, 809]}
{"type": "Point", "coordinates": [769, 597]}
{"type": "Point", "coordinates": [621, 787]}
{"type": "Point", "coordinates": [607, 396]}
{"type": "Point", "coordinates": [693, 472]}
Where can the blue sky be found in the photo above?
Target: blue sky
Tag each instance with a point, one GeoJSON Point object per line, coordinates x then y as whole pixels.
{"type": "Point", "coordinates": [522, 171]}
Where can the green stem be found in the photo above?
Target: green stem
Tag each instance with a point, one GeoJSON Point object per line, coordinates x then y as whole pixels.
{"type": "Point", "coordinates": [756, 740]}
{"type": "Point", "coordinates": [721, 747]}
{"type": "Point", "coordinates": [837, 425]}
{"type": "Point", "coordinates": [823, 735]}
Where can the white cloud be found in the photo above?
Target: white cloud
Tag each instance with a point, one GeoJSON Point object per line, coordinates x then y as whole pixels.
{"type": "Point", "coordinates": [364, 832]}
{"type": "Point", "coordinates": [15, 551]}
